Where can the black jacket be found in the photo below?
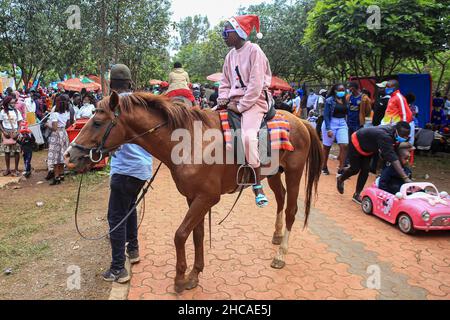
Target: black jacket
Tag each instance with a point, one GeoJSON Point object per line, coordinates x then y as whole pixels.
{"type": "Point", "coordinates": [390, 181]}
{"type": "Point", "coordinates": [378, 139]}
{"type": "Point", "coordinates": [379, 110]}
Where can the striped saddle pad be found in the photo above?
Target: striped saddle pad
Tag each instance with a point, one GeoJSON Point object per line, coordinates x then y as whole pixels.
{"type": "Point", "coordinates": [278, 128]}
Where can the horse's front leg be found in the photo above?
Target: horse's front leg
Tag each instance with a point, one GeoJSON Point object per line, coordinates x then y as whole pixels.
{"type": "Point", "coordinates": [195, 216]}
{"type": "Point", "coordinates": [199, 264]}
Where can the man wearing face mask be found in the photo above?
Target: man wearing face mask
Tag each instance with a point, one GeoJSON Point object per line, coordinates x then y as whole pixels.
{"type": "Point", "coordinates": [398, 108]}
{"type": "Point", "coordinates": [367, 141]}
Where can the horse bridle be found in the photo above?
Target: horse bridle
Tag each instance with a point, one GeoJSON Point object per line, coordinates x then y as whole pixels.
{"type": "Point", "coordinates": [101, 148]}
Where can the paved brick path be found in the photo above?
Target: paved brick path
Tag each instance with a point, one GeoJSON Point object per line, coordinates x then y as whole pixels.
{"type": "Point", "coordinates": [329, 260]}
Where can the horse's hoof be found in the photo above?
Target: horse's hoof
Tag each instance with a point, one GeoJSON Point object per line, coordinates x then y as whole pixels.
{"type": "Point", "coordinates": [180, 286]}
{"type": "Point", "coordinates": [278, 264]}
{"type": "Point", "coordinates": [276, 240]}
{"type": "Point", "coordinates": [192, 284]}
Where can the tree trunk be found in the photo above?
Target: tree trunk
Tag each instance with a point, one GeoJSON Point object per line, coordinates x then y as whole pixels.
{"type": "Point", "coordinates": [103, 47]}
{"type": "Point", "coordinates": [116, 54]}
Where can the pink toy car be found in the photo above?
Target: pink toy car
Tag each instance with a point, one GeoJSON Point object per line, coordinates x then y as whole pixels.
{"type": "Point", "coordinates": [418, 206]}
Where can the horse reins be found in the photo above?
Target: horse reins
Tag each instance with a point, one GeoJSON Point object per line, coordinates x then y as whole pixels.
{"type": "Point", "coordinates": [101, 148]}
{"type": "Point", "coordinates": [102, 151]}
{"type": "Point", "coordinates": [142, 197]}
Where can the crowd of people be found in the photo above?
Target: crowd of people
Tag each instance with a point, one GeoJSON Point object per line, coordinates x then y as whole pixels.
{"type": "Point", "coordinates": [365, 128]}
{"type": "Point", "coordinates": [46, 113]}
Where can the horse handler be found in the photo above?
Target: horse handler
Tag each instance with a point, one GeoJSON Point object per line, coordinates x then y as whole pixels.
{"type": "Point", "coordinates": [131, 167]}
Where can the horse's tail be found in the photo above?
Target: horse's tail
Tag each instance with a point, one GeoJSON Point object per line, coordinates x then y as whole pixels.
{"type": "Point", "coordinates": [313, 169]}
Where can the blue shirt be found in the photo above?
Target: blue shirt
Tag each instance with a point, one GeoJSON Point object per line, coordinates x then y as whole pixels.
{"type": "Point", "coordinates": [353, 113]}
{"type": "Point", "coordinates": [132, 160]}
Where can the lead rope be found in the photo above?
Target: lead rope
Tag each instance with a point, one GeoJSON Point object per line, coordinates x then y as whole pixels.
{"type": "Point", "coordinates": [141, 197]}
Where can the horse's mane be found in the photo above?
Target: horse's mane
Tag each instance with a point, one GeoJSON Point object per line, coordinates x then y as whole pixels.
{"type": "Point", "coordinates": [176, 113]}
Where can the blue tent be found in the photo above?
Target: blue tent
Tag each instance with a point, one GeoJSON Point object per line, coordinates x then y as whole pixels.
{"type": "Point", "coordinates": [421, 86]}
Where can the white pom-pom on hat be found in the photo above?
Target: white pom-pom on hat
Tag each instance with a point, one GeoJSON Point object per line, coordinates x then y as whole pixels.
{"type": "Point", "coordinates": [259, 35]}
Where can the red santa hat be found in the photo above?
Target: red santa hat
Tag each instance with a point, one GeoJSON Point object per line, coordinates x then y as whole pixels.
{"type": "Point", "coordinates": [24, 128]}
{"type": "Point", "coordinates": [245, 24]}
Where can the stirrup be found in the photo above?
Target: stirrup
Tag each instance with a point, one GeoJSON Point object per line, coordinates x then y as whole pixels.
{"type": "Point", "coordinates": [243, 183]}
{"type": "Point", "coordinates": [261, 199]}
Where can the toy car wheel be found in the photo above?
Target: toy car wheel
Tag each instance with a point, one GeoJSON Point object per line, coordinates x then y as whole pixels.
{"type": "Point", "coordinates": [405, 224]}
{"type": "Point", "coordinates": [367, 205]}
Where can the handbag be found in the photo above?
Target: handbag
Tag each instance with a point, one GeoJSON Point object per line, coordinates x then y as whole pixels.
{"type": "Point", "coordinates": [8, 141]}
{"type": "Point", "coordinates": [12, 140]}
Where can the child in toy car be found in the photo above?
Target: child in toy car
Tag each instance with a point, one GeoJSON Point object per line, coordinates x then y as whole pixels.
{"type": "Point", "coordinates": [390, 181]}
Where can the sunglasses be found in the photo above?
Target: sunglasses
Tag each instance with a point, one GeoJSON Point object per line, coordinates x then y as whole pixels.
{"type": "Point", "coordinates": [226, 32]}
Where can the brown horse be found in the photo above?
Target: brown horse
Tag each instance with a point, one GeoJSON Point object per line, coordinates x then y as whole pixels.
{"type": "Point", "coordinates": [150, 120]}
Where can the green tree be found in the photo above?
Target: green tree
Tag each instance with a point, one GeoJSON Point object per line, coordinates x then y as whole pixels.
{"type": "Point", "coordinates": [282, 24]}
{"type": "Point", "coordinates": [338, 33]}
{"type": "Point", "coordinates": [192, 29]}
{"type": "Point", "coordinates": [201, 59]}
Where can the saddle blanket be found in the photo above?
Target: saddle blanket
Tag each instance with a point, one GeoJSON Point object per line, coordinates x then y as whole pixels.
{"type": "Point", "coordinates": [279, 131]}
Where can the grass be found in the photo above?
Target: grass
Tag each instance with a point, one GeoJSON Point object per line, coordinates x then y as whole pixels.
{"type": "Point", "coordinates": [22, 222]}
{"type": "Point", "coordinates": [437, 169]}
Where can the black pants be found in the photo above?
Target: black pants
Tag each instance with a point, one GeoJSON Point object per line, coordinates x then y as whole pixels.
{"type": "Point", "coordinates": [358, 164]}
{"type": "Point", "coordinates": [27, 156]}
{"type": "Point", "coordinates": [351, 131]}
{"type": "Point", "coordinates": [124, 192]}
{"type": "Point", "coordinates": [319, 126]}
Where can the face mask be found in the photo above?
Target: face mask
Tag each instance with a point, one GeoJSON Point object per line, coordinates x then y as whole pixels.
{"type": "Point", "coordinates": [340, 94]}
{"type": "Point", "coordinates": [389, 91]}
{"type": "Point", "coordinates": [400, 139]}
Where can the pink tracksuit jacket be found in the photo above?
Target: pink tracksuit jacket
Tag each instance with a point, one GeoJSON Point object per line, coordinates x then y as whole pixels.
{"type": "Point", "coordinates": [254, 69]}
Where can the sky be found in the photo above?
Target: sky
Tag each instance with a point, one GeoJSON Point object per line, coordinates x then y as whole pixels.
{"type": "Point", "coordinates": [215, 10]}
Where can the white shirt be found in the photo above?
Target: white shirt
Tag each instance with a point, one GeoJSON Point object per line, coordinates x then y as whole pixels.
{"type": "Point", "coordinates": [30, 104]}
{"type": "Point", "coordinates": [86, 111]}
{"type": "Point", "coordinates": [312, 98]}
{"type": "Point", "coordinates": [61, 118]}
{"type": "Point", "coordinates": [296, 104]}
{"type": "Point", "coordinates": [447, 106]}
{"type": "Point", "coordinates": [15, 117]}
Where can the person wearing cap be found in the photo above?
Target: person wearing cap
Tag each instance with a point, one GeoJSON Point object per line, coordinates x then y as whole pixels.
{"type": "Point", "coordinates": [398, 108]}
{"type": "Point", "coordinates": [381, 103]}
{"type": "Point", "coordinates": [244, 88]}
{"type": "Point", "coordinates": [26, 141]}
{"type": "Point", "coordinates": [131, 167]}
{"type": "Point", "coordinates": [390, 181]}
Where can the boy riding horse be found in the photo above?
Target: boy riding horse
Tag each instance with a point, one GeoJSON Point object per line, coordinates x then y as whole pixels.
{"type": "Point", "coordinates": [244, 88]}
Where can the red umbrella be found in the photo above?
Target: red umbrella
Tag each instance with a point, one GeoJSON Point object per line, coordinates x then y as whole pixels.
{"type": "Point", "coordinates": [77, 85]}
{"type": "Point", "coordinates": [279, 84]}
{"type": "Point", "coordinates": [216, 77]}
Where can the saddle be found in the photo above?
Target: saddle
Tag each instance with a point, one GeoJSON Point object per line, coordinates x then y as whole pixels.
{"type": "Point", "coordinates": [234, 119]}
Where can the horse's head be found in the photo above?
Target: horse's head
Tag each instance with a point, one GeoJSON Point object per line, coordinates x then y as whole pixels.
{"type": "Point", "coordinates": [104, 133]}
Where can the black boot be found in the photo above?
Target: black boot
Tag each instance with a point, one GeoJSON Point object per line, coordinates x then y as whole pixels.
{"type": "Point", "coordinates": [50, 175]}
{"type": "Point", "coordinates": [56, 181]}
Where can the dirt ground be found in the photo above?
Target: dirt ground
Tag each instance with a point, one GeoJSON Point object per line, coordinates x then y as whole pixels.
{"type": "Point", "coordinates": [40, 245]}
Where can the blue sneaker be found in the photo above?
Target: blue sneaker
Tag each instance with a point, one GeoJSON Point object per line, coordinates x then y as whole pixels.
{"type": "Point", "coordinates": [261, 199]}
